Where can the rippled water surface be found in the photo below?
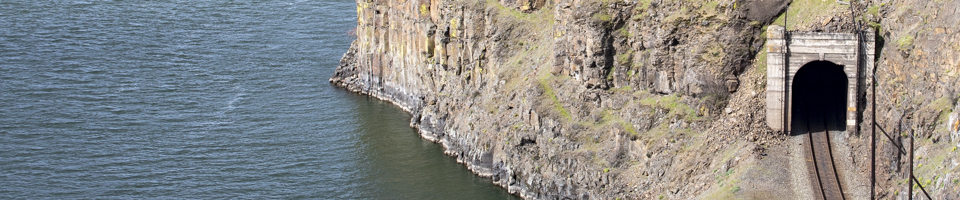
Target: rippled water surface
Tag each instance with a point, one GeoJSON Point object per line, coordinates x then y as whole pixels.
{"type": "Point", "coordinates": [201, 99]}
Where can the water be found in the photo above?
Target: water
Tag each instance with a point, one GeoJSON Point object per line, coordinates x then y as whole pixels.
{"type": "Point", "coordinates": [201, 99]}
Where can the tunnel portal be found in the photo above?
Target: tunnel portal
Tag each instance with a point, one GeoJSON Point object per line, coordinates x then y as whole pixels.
{"type": "Point", "coordinates": [820, 95]}
{"type": "Point", "coordinates": [814, 81]}
{"type": "Point", "coordinates": [814, 57]}
{"type": "Point", "coordinates": [819, 108]}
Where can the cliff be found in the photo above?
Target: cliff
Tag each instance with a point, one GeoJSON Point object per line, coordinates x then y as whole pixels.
{"type": "Point", "coordinates": [638, 99]}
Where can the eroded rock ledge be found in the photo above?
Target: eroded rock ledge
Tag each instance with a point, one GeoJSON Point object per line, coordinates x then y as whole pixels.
{"type": "Point", "coordinates": [583, 99]}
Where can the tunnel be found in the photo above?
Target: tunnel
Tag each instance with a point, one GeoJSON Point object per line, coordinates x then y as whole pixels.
{"type": "Point", "coordinates": [819, 97]}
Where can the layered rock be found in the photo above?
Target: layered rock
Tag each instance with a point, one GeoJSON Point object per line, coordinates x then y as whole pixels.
{"type": "Point", "coordinates": [917, 75]}
{"type": "Point", "coordinates": [595, 98]}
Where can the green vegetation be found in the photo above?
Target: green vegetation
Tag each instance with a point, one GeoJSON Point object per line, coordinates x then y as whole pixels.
{"type": "Point", "coordinates": [610, 74]}
{"type": "Point", "coordinates": [936, 157]}
{"type": "Point", "coordinates": [905, 42]}
{"type": "Point", "coordinates": [761, 62]}
{"type": "Point", "coordinates": [609, 118]}
{"type": "Point", "coordinates": [625, 58]}
{"type": "Point", "coordinates": [624, 32]}
{"type": "Point", "coordinates": [673, 104]}
{"type": "Point", "coordinates": [933, 166]}
{"type": "Point", "coordinates": [602, 17]}
{"type": "Point", "coordinates": [945, 106]}
{"type": "Point", "coordinates": [709, 9]}
{"type": "Point", "coordinates": [622, 89]}
{"type": "Point", "coordinates": [640, 9]}
{"type": "Point", "coordinates": [728, 186]}
{"type": "Point", "coordinates": [551, 98]}
{"type": "Point", "coordinates": [875, 25]}
{"type": "Point", "coordinates": [713, 53]}
{"type": "Point", "coordinates": [677, 18]}
{"type": "Point", "coordinates": [803, 13]}
{"type": "Point", "coordinates": [532, 39]}
{"type": "Point", "coordinates": [542, 18]}
{"type": "Point", "coordinates": [644, 4]}
{"type": "Point", "coordinates": [874, 10]}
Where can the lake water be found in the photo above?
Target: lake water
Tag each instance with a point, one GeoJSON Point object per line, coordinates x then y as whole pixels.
{"type": "Point", "coordinates": [201, 99]}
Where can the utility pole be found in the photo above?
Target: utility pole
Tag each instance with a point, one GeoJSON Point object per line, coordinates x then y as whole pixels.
{"type": "Point", "coordinates": [786, 73]}
{"type": "Point", "coordinates": [873, 135]}
{"type": "Point", "coordinates": [910, 174]}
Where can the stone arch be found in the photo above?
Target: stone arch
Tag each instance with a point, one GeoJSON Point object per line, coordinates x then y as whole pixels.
{"type": "Point", "coordinates": [788, 53]}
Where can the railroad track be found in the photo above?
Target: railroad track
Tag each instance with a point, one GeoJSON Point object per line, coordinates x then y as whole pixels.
{"type": "Point", "coordinates": [819, 157]}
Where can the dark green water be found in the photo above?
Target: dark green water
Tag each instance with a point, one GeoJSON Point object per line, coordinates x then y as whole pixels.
{"type": "Point", "coordinates": [201, 99]}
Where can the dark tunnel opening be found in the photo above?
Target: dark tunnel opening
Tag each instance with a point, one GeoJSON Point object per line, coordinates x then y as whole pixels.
{"type": "Point", "coordinates": [819, 96]}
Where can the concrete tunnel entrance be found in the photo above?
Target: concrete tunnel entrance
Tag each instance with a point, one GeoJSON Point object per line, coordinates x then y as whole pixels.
{"type": "Point", "coordinates": [819, 108]}
{"type": "Point", "coordinates": [819, 97]}
{"type": "Point", "coordinates": [809, 52]}
{"type": "Point", "coordinates": [813, 85]}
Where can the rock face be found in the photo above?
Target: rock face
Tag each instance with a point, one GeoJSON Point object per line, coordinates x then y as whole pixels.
{"type": "Point", "coordinates": [590, 98]}
{"type": "Point", "coordinates": [917, 76]}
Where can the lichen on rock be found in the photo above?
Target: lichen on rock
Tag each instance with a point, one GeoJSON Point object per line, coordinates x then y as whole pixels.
{"type": "Point", "coordinates": [616, 99]}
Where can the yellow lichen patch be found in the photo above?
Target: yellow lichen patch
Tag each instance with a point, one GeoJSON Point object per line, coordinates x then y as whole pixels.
{"type": "Point", "coordinates": [453, 27]}
{"type": "Point", "coordinates": [360, 7]}
{"type": "Point", "coordinates": [424, 10]}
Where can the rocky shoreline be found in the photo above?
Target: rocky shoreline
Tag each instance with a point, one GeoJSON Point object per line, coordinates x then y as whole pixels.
{"type": "Point", "coordinates": [481, 163]}
{"type": "Point", "coordinates": [595, 99]}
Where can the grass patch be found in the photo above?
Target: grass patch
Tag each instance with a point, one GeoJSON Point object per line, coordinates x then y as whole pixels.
{"type": "Point", "coordinates": [644, 4]}
{"type": "Point", "coordinates": [761, 64]}
{"type": "Point", "coordinates": [624, 32]}
{"type": "Point", "coordinates": [532, 39]}
{"type": "Point", "coordinates": [727, 186]}
{"type": "Point", "coordinates": [533, 16]}
{"type": "Point", "coordinates": [713, 53]}
{"type": "Point", "coordinates": [550, 96]}
{"type": "Point", "coordinates": [677, 18]}
{"type": "Point", "coordinates": [640, 9]}
{"type": "Point", "coordinates": [656, 134]}
{"type": "Point", "coordinates": [673, 104]}
{"type": "Point", "coordinates": [875, 25]}
{"type": "Point", "coordinates": [874, 10]}
{"type": "Point", "coordinates": [622, 89]}
{"type": "Point", "coordinates": [945, 106]}
{"type": "Point", "coordinates": [625, 59]}
{"type": "Point", "coordinates": [602, 17]}
{"type": "Point", "coordinates": [609, 118]}
{"type": "Point", "coordinates": [709, 9]}
{"type": "Point", "coordinates": [905, 42]}
{"type": "Point", "coordinates": [803, 13]}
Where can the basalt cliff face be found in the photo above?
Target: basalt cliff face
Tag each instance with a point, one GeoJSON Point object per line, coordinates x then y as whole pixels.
{"type": "Point", "coordinates": [618, 99]}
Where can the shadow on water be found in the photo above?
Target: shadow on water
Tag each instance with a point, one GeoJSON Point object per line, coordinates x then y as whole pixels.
{"type": "Point", "coordinates": [409, 167]}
